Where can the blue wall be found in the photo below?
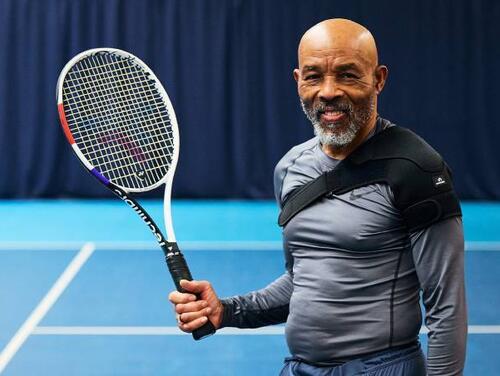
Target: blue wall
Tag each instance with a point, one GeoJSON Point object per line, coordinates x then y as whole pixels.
{"type": "Point", "coordinates": [227, 65]}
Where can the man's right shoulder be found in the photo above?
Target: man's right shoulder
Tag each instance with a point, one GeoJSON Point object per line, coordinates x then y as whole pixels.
{"type": "Point", "coordinates": [295, 152]}
{"type": "Point", "coordinates": [287, 161]}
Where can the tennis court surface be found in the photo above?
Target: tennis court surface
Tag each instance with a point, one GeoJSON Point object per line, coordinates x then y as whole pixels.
{"type": "Point", "coordinates": [84, 288]}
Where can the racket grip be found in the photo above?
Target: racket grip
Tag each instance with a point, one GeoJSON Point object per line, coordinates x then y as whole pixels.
{"type": "Point", "coordinates": [179, 270]}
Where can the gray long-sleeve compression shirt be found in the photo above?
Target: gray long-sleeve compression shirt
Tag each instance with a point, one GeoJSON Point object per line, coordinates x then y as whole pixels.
{"type": "Point", "coordinates": [354, 274]}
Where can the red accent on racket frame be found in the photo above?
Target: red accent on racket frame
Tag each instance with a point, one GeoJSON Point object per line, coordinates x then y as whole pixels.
{"type": "Point", "coordinates": [64, 123]}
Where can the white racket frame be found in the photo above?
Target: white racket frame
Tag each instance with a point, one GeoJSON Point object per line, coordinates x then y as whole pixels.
{"type": "Point", "coordinates": [169, 176]}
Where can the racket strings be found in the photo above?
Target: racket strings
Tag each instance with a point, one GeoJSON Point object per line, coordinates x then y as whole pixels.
{"type": "Point", "coordinates": [107, 162]}
{"type": "Point", "coordinates": [159, 152]}
{"type": "Point", "coordinates": [116, 129]}
{"type": "Point", "coordinates": [128, 112]}
{"type": "Point", "coordinates": [108, 166]}
{"type": "Point", "coordinates": [119, 120]}
{"type": "Point", "coordinates": [123, 112]}
{"type": "Point", "coordinates": [119, 154]}
{"type": "Point", "coordinates": [120, 73]}
{"type": "Point", "coordinates": [90, 149]}
{"type": "Point", "coordinates": [125, 142]}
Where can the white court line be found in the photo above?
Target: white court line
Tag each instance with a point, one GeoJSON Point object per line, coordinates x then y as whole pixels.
{"type": "Point", "coordinates": [146, 246]}
{"type": "Point", "coordinates": [45, 304]}
{"type": "Point", "coordinates": [174, 331]}
{"type": "Point", "coordinates": [145, 331]}
{"type": "Point", "coordinates": [187, 246]}
{"type": "Point", "coordinates": [482, 246]}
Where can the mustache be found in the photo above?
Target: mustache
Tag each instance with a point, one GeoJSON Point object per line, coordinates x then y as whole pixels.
{"type": "Point", "coordinates": [341, 106]}
{"type": "Point", "coordinates": [313, 111]}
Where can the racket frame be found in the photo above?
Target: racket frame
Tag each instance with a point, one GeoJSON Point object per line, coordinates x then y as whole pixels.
{"type": "Point", "coordinates": [173, 256]}
{"type": "Point", "coordinates": [169, 176]}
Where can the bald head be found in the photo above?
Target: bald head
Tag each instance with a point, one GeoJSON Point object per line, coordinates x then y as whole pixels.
{"type": "Point", "coordinates": [338, 81]}
{"type": "Point", "coordinates": [339, 34]}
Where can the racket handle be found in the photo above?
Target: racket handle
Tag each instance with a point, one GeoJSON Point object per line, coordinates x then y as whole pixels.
{"type": "Point", "coordinates": [179, 270]}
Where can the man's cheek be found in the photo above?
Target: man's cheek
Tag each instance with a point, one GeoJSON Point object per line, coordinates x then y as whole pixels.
{"type": "Point", "coordinates": [309, 108]}
{"type": "Point", "coordinates": [306, 99]}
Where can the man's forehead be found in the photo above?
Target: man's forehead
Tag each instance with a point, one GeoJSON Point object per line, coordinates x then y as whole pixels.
{"type": "Point", "coordinates": [333, 56]}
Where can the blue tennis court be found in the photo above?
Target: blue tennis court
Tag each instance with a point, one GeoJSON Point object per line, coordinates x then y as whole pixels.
{"type": "Point", "coordinates": [98, 288]}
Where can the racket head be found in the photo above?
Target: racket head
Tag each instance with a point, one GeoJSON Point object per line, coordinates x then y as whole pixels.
{"type": "Point", "coordinates": [119, 120]}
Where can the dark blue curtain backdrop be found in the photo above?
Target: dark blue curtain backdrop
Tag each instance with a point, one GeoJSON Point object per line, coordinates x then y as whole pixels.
{"type": "Point", "coordinates": [227, 66]}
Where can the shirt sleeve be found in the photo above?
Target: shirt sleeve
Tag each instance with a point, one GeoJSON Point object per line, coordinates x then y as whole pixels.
{"type": "Point", "coordinates": [267, 306]}
{"type": "Point", "coordinates": [438, 253]}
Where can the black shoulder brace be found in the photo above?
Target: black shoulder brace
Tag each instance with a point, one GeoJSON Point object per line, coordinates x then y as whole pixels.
{"type": "Point", "coordinates": [418, 176]}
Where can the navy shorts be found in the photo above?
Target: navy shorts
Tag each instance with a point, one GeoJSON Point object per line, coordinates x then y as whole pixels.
{"type": "Point", "coordinates": [409, 361]}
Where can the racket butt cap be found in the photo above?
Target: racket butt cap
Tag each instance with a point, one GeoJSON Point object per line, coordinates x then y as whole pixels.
{"type": "Point", "coordinates": [205, 331]}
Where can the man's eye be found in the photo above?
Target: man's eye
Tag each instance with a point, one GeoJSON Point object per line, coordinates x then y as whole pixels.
{"type": "Point", "coordinates": [311, 77]}
{"type": "Point", "coordinates": [348, 75]}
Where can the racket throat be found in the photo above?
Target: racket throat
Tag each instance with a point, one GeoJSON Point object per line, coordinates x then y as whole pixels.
{"type": "Point", "coordinates": [143, 215]}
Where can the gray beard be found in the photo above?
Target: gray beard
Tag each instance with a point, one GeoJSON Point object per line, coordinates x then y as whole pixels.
{"type": "Point", "coordinates": [330, 134]}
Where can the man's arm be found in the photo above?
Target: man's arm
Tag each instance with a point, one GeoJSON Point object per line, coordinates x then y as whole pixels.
{"type": "Point", "coordinates": [438, 253]}
{"type": "Point", "coordinates": [267, 306]}
{"type": "Point", "coordinates": [200, 302]}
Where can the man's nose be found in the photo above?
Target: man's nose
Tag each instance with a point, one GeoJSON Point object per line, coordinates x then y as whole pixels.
{"type": "Point", "coordinates": [329, 89]}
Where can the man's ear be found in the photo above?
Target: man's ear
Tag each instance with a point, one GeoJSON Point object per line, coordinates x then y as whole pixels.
{"type": "Point", "coordinates": [381, 73]}
{"type": "Point", "coordinates": [296, 74]}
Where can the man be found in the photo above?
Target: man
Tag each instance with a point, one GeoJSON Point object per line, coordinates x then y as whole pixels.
{"type": "Point", "coordinates": [350, 296]}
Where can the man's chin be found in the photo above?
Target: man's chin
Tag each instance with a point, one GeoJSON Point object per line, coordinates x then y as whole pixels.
{"type": "Point", "coordinates": [338, 135]}
{"type": "Point", "coordinates": [333, 127]}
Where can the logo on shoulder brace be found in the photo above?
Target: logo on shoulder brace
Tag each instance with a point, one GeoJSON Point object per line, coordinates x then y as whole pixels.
{"type": "Point", "coordinates": [438, 180]}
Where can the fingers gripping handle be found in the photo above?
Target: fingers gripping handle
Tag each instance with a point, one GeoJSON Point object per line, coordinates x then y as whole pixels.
{"type": "Point", "coordinates": [179, 270]}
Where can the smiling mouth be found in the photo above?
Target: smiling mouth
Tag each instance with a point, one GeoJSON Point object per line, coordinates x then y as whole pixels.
{"type": "Point", "coordinates": [330, 114]}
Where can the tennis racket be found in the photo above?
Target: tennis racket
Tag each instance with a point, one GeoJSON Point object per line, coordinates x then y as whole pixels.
{"type": "Point", "coordinates": [121, 125]}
